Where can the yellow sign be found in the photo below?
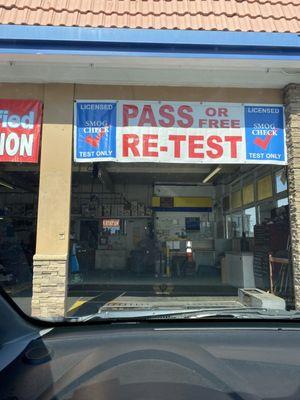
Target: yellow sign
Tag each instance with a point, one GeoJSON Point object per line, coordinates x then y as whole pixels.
{"type": "Point", "coordinates": [236, 199]}
{"type": "Point", "coordinates": [248, 194]}
{"type": "Point", "coordinates": [193, 202]}
{"type": "Point", "coordinates": [264, 188]}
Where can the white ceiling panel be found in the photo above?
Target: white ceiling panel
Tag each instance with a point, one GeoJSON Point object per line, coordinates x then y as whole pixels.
{"type": "Point", "coordinates": [154, 72]}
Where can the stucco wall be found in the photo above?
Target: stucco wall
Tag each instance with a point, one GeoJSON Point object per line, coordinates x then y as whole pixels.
{"type": "Point", "coordinates": [233, 95]}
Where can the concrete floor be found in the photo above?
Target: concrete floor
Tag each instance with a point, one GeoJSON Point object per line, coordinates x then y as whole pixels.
{"type": "Point", "coordinates": [87, 293]}
{"type": "Point", "coordinates": [108, 291]}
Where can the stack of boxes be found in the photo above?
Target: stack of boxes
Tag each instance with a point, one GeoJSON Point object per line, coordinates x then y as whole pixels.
{"type": "Point", "coordinates": [141, 210]}
{"type": "Point", "coordinates": [127, 210]}
{"type": "Point", "coordinates": [106, 210]}
{"type": "Point", "coordinates": [134, 209]}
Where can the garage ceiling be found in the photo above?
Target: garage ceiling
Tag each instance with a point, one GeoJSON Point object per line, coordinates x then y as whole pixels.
{"type": "Point", "coordinates": [27, 179]}
{"type": "Point", "coordinates": [147, 173]}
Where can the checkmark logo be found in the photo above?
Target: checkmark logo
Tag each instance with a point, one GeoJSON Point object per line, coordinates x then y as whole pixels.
{"type": "Point", "coordinates": [264, 143]}
{"type": "Point", "coordinates": [94, 141]}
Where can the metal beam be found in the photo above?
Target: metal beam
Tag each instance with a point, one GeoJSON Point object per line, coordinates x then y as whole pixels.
{"type": "Point", "coordinates": [105, 178]}
{"type": "Point", "coordinates": [147, 42]}
{"type": "Point", "coordinates": [17, 183]}
{"type": "Point", "coordinates": [157, 168]}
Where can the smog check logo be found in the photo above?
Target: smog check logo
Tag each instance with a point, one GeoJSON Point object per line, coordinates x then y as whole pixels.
{"type": "Point", "coordinates": [94, 141]}
{"type": "Point", "coordinates": [264, 143]}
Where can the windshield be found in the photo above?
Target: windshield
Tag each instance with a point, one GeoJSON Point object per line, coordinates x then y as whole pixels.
{"type": "Point", "coordinates": [167, 208]}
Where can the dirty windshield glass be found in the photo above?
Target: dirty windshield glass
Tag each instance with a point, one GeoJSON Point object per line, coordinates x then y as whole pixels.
{"type": "Point", "coordinates": [145, 208]}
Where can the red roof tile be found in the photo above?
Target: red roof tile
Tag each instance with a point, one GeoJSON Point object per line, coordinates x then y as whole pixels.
{"type": "Point", "coordinates": [232, 15]}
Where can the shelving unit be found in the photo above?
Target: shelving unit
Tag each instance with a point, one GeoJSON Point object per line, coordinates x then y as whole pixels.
{"type": "Point", "coordinates": [80, 217]}
{"type": "Point", "coordinates": [272, 239]}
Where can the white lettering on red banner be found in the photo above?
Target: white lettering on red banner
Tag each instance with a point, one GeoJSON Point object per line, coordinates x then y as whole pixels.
{"type": "Point", "coordinates": [20, 127]}
{"type": "Point", "coordinates": [181, 132]}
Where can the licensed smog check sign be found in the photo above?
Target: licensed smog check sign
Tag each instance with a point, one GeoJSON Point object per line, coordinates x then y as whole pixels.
{"type": "Point", "coordinates": [265, 136]}
{"type": "Point", "coordinates": [179, 132]}
{"type": "Point", "coordinates": [20, 129]}
{"type": "Point", "coordinates": [96, 126]}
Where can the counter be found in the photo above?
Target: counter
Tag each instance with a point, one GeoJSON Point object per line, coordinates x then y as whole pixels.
{"type": "Point", "coordinates": [110, 259]}
{"type": "Point", "coordinates": [237, 270]}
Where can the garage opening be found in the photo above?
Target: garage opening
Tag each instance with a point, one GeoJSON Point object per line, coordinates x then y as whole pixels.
{"type": "Point", "coordinates": [183, 231]}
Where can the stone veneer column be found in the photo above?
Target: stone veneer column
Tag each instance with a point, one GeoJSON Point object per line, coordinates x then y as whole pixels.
{"type": "Point", "coordinates": [50, 264]}
{"type": "Point", "coordinates": [292, 107]}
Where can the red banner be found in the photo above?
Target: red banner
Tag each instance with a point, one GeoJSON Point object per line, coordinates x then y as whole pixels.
{"type": "Point", "coordinates": [20, 129]}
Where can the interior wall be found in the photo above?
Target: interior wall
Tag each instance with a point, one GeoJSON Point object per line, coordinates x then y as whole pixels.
{"type": "Point", "coordinates": [131, 192]}
{"type": "Point", "coordinates": [141, 193]}
{"type": "Point", "coordinates": [188, 190]}
{"type": "Point", "coordinates": [218, 211]}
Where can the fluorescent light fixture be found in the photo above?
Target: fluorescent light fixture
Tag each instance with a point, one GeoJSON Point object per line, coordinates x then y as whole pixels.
{"type": "Point", "coordinates": [7, 185]}
{"type": "Point", "coordinates": [211, 174]}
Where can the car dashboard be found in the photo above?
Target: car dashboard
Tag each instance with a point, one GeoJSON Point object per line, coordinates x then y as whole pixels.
{"type": "Point", "coordinates": [156, 360]}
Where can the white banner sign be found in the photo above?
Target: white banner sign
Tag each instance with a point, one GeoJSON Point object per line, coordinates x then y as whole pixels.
{"type": "Point", "coordinates": [179, 132]}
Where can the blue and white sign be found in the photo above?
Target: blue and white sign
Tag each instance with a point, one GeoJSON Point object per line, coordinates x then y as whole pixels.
{"type": "Point", "coordinates": [95, 126]}
{"type": "Point", "coordinates": [265, 140]}
{"type": "Point", "coordinates": [179, 132]}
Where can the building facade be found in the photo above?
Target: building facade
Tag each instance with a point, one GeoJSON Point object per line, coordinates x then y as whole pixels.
{"type": "Point", "coordinates": [59, 65]}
